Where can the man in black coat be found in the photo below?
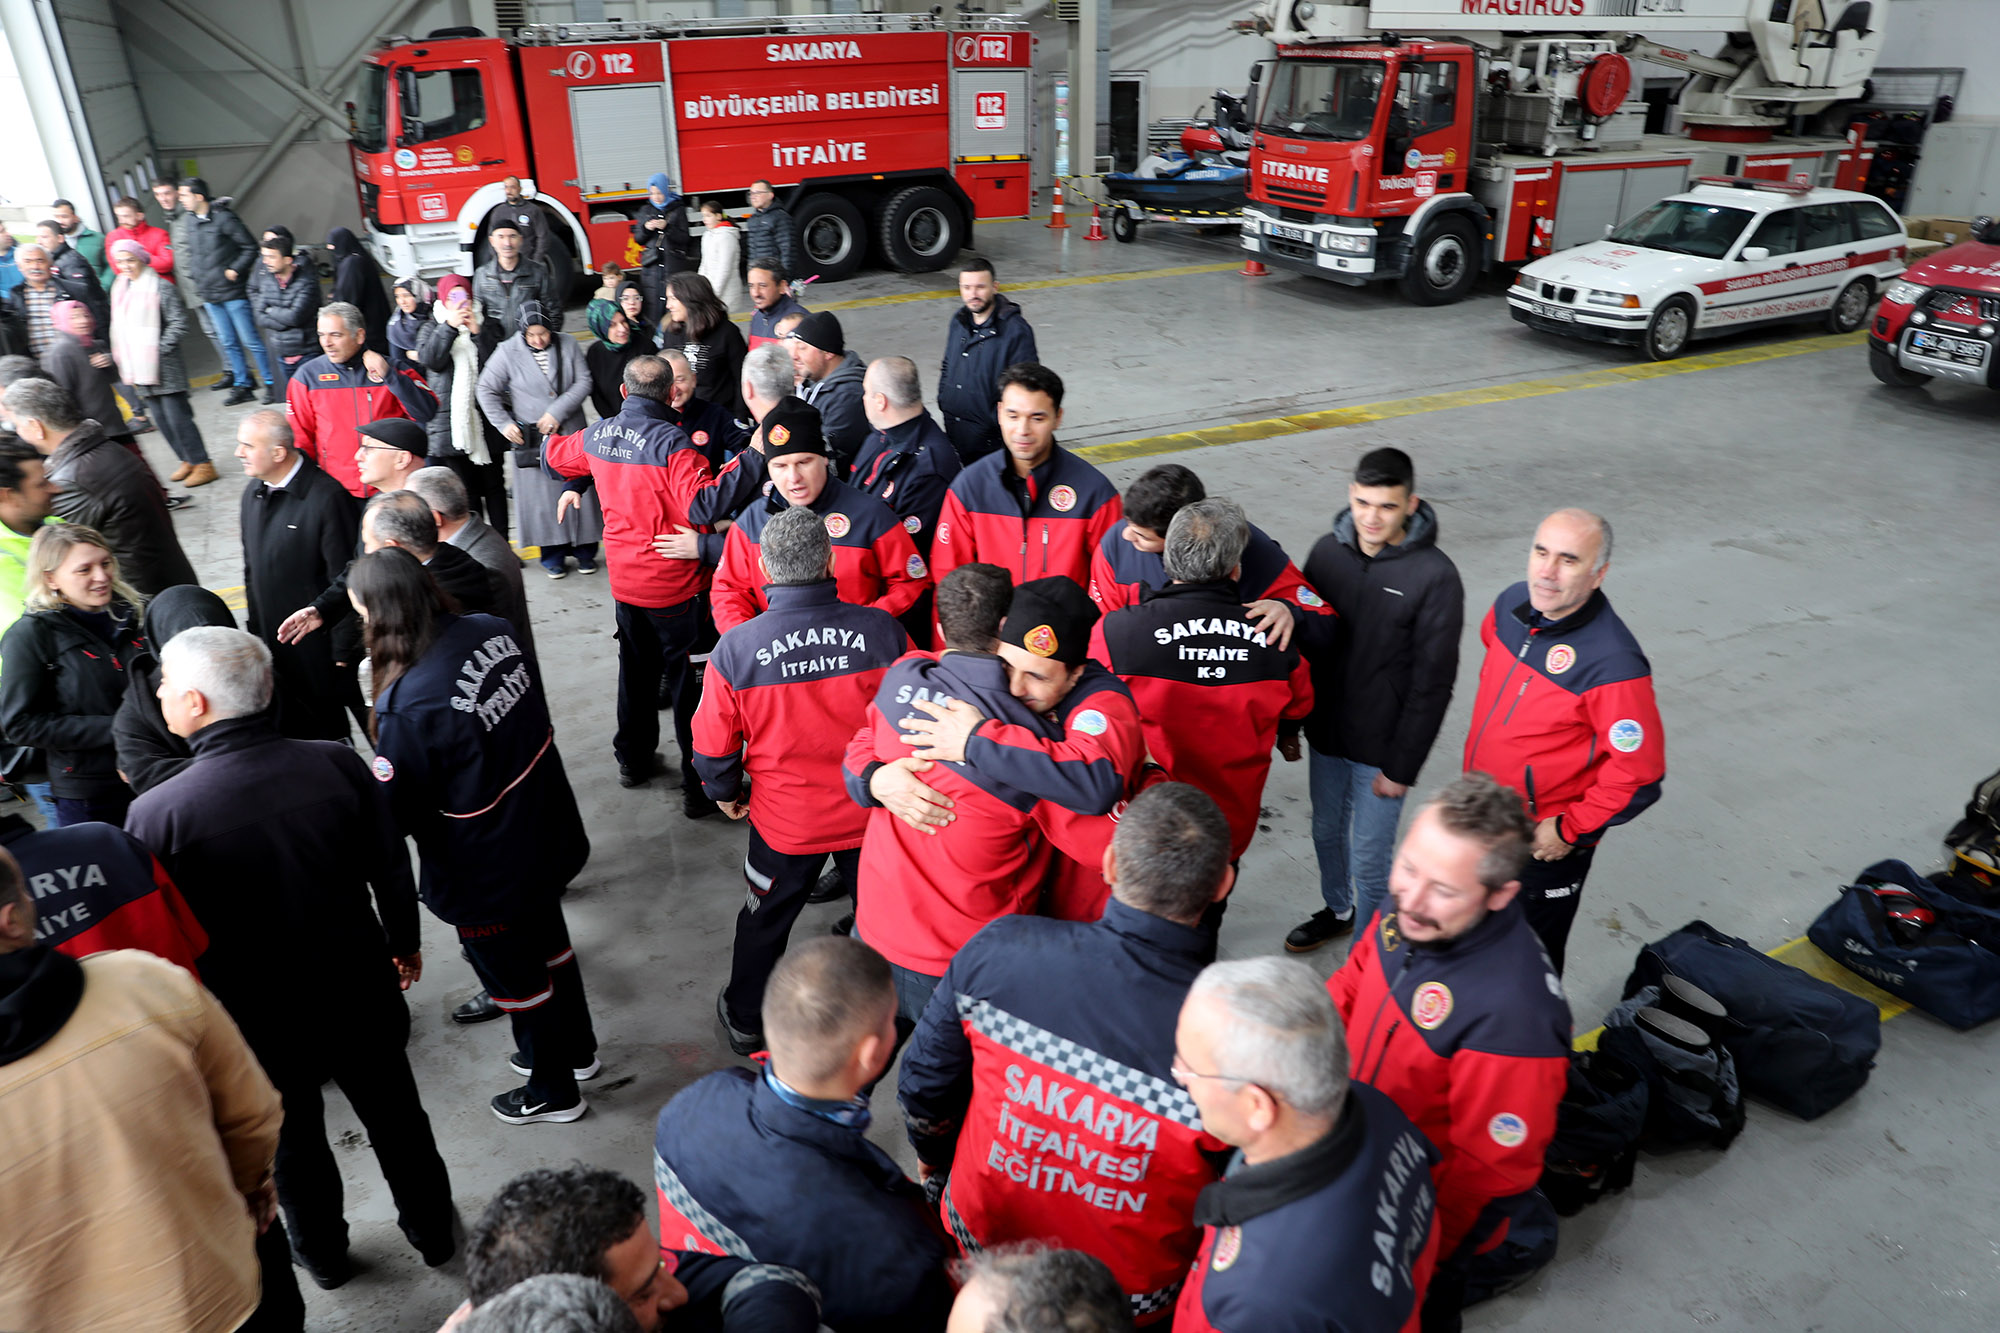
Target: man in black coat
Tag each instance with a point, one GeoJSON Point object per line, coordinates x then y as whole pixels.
{"type": "Point", "coordinates": [987, 334]}
{"type": "Point", "coordinates": [220, 255]}
{"type": "Point", "coordinates": [299, 530]}
{"type": "Point", "coordinates": [101, 485]}
{"type": "Point", "coordinates": [1381, 689]}
{"type": "Point", "coordinates": [277, 843]}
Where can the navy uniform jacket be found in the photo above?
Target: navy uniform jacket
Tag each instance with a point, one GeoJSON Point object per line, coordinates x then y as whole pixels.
{"type": "Point", "coordinates": [1123, 575]}
{"type": "Point", "coordinates": [741, 1171]}
{"type": "Point", "coordinates": [909, 467]}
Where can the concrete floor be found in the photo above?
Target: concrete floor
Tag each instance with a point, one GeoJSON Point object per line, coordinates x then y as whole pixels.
{"type": "Point", "coordinates": [1807, 559]}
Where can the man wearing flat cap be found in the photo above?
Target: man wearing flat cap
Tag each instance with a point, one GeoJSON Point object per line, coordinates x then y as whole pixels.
{"type": "Point", "coordinates": [830, 378]}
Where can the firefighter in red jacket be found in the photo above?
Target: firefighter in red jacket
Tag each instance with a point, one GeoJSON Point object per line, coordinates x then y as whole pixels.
{"type": "Point", "coordinates": [1565, 715]}
{"type": "Point", "coordinates": [1324, 1219]}
{"type": "Point", "coordinates": [335, 394]}
{"type": "Point", "coordinates": [1033, 508]}
{"type": "Point", "coordinates": [875, 562]}
{"type": "Point", "coordinates": [1452, 1009]}
{"type": "Point", "coordinates": [1037, 1019]}
{"type": "Point", "coordinates": [785, 691]}
{"type": "Point", "coordinates": [1216, 694]}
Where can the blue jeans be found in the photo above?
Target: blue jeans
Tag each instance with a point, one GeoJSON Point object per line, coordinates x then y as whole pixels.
{"type": "Point", "coordinates": [1354, 832]}
{"type": "Point", "coordinates": [235, 330]}
{"type": "Point", "coordinates": [43, 794]}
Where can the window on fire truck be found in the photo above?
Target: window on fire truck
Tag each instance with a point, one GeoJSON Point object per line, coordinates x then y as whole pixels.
{"type": "Point", "coordinates": [371, 110]}
{"type": "Point", "coordinates": [1321, 99]}
{"type": "Point", "coordinates": [1429, 94]}
{"type": "Point", "coordinates": [448, 102]}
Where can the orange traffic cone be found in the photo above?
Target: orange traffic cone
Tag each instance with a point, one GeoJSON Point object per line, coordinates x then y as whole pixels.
{"type": "Point", "coordinates": [1254, 268]}
{"type": "Point", "coordinates": [1096, 232]}
{"type": "Point", "coordinates": [1057, 222]}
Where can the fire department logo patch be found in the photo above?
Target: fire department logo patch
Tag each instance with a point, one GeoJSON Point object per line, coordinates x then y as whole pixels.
{"type": "Point", "coordinates": [1090, 722]}
{"type": "Point", "coordinates": [382, 768]}
{"type": "Point", "coordinates": [1560, 659]}
{"type": "Point", "coordinates": [700, 438]}
{"type": "Point", "coordinates": [1626, 735]}
{"type": "Point", "coordinates": [328, 379]}
{"type": "Point", "coordinates": [913, 525]}
{"type": "Point", "coordinates": [1431, 1005]}
{"type": "Point", "coordinates": [1041, 641]}
{"type": "Point", "coordinates": [1507, 1129]}
{"type": "Point", "coordinates": [1392, 938]}
{"type": "Point", "coordinates": [944, 533]}
{"type": "Point", "coordinates": [1307, 597]}
{"type": "Point", "coordinates": [914, 566]}
{"type": "Point", "coordinates": [1062, 499]}
{"type": "Point", "coordinates": [1228, 1245]}
{"type": "Point", "coordinates": [781, 435]}
{"type": "Point", "coordinates": [836, 524]}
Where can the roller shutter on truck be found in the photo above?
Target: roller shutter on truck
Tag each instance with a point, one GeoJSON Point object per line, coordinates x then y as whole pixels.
{"type": "Point", "coordinates": [622, 137]}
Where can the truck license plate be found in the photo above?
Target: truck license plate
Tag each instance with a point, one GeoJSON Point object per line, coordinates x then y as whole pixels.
{"type": "Point", "coordinates": [1558, 313]}
{"type": "Point", "coordinates": [1285, 233]}
{"type": "Point", "coordinates": [1963, 350]}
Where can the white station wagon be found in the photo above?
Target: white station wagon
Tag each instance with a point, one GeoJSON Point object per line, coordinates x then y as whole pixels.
{"type": "Point", "coordinates": [1728, 254]}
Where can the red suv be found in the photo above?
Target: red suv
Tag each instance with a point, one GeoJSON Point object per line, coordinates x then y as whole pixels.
{"type": "Point", "coordinates": [1941, 319]}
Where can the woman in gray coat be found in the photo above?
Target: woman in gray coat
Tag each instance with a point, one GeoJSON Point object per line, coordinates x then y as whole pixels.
{"type": "Point", "coordinates": [147, 323]}
{"type": "Point", "coordinates": [539, 380]}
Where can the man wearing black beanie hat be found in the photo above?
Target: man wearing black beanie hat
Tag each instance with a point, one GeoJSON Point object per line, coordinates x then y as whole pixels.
{"type": "Point", "coordinates": [830, 378]}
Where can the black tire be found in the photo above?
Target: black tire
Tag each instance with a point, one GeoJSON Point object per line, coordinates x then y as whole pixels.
{"type": "Point", "coordinates": [1670, 330]}
{"type": "Point", "coordinates": [832, 241]}
{"type": "Point", "coordinates": [919, 230]}
{"type": "Point", "coordinates": [1882, 363]}
{"type": "Point", "coordinates": [1444, 263]}
{"type": "Point", "coordinates": [1849, 310]}
{"type": "Point", "coordinates": [1123, 227]}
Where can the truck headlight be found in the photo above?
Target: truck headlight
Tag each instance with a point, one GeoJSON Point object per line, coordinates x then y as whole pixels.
{"type": "Point", "coordinates": [1346, 243]}
{"type": "Point", "coordinates": [1903, 293]}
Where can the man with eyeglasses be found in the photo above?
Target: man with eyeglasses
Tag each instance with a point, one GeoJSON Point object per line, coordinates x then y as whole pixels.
{"type": "Point", "coordinates": [1324, 1217]}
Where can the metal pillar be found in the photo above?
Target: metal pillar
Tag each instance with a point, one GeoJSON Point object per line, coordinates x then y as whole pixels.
{"type": "Point", "coordinates": [1090, 88]}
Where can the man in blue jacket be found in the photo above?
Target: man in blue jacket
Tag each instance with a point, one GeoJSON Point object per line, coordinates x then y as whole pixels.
{"type": "Point", "coordinates": [984, 338]}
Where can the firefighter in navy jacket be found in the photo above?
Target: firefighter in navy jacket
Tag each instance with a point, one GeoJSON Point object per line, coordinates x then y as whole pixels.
{"type": "Point", "coordinates": [1126, 564]}
{"type": "Point", "coordinates": [97, 888]}
{"type": "Point", "coordinates": [1565, 715]}
{"type": "Point", "coordinates": [1324, 1220]}
{"type": "Point", "coordinates": [875, 562]}
{"type": "Point", "coordinates": [1216, 694]}
{"type": "Point", "coordinates": [1033, 508]}
{"type": "Point", "coordinates": [1041, 1074]}
{"type": "Point", "coordinates": [785, 691]}
{"type": "Point", "coordinates": [771, 1165]}
{"type": "Point", "coordinates": [1453, 1011]}
{"type": "Point", "coordinates": [906, 461]}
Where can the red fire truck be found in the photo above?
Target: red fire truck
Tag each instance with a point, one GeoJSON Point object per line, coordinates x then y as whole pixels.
{"type": "Point", "coordinates": [887, 131]}
{"type": "Point", "coordinates": [1425, 141]}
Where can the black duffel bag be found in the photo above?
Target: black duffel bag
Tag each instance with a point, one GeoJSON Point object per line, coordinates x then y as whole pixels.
{"type": "Point", "coordinates": [1913, 938]}
{"type": "Point", "coordinates": [1800, 1044]}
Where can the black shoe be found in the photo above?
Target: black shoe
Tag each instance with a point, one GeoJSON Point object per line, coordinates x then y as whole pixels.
{"type": "Point", "coordinates": [695, 805]}
{"type": "Point", "coordinates": [741, 1042]}
{"type": "Point", "coordinates": [517, 1108]}
{"type": "Point", "coordinates": [239, 395]}
{"type": "Point", "coordinates": [479, 1009]}
{"type": "Point", "coordinates": [1324, 925]}
{"type": "Point", "coordinates": [519, 1064]}
{"type": "Point", "coordinates": [844, 926]}
{"type": "Point", "coordinates": [326, 1276]}
{"type": "Point", "coordinates": [635, 775]}
{"type": "Point", "coordinates": [437, 1253]}
{"type": "Point", "coordinates": [273, 396]}
{"type": "Point", "coordinates": [832, 887]}
{"type": "Point", "coordinates": [179, 501]}
{"type": "Point", "coordinates": [141, 426]}
{"type": "Point", "coordinates": [222, 385]}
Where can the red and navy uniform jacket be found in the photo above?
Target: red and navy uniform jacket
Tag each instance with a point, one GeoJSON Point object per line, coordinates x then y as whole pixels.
{"type": "Point", "coordinates": [1041, 1076]}
{"type": "Point", "coordinates": [1215, 694]}
{"type": "Point", "coordinates": [1047, 523]}
{"type": "Point", "coordinates": [742, 1171]}
{"type": "Point", "coordinates": [96, 887]}
{"type": "Point", "coordinates": [647, 474]}
{"type": "Point", "coordinates": [738, 484]}
{"type": "Point", "coordinates": [783, 694]}
{"type": "Point", "coordinates": [909, 467]}
{"type": "Point", "coordinates": [1565, 715]}
{"type": "Point", "coordinates": [328, 401]}
{"type": "Point", "coordinates": [928, 893]}
{"type": "Point", "coordinates": [1337, 1237]}
{"type": "Point", "coordinates": [1121, 575]}
{"type": "Point", "coordinates": [709, 427]}
{"type": "Point", "coordinates": [1076, 889]}
{"type": "Point", "coordinates": [1471, 1038]}
{"type": "Point", "coordinates": [874, 561]}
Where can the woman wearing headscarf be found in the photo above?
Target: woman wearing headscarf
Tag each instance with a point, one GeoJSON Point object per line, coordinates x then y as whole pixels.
{"type": "Point", "coordinates": [538, 380]}
{"type": "Point", "coordinates": [661, 229]}
{"type": "Point", "coordinates": [412, 298]}
{"type": "Point", "coordinates": [148, 751]}
{"type": "Point", "coordinates": [357, 280]}
{"type": "Point", "coordinates": [76, 361]}
{"type": "Point", "coordinates": [722, 256]}
{"type": "Point", "coordinates": [618, 341]}
{"type": "Point", "coordinates": [147, 324]}
{"type": "Point", "coordinates": [456, 342]}
{"type": "Point", "coordinates": [698, 326]}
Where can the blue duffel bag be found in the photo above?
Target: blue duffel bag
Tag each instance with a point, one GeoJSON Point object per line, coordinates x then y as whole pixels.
{"type": "Point", "coordinates": [1914, 939]}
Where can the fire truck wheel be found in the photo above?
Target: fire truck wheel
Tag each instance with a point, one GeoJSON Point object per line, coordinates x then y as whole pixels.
{"type": "Point", "coordinates": [830, 233]}
{"type": "Point", "coordinates": [1885, 367]}
{"type": "Point", "coordinates": [917, 230]}
{"type": "Point", "coordinates": [1444, 263]}
{"type": "Point", "coordinates": [1671, 326]}
{"type": "Point", "coordinates": [1851, 307]}
{"type": "Point", "coordinates": [1123, 228]}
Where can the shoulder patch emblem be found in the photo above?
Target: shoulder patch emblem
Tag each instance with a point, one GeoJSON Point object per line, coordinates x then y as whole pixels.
{"type": "Point", "coordinates": [1392, 938]}
{"type": "Point", "coordinates": [1431, 1005]}
{"type": "Point", "coordinates": [836, 524]}
{"type": "Point", "coordinates": [1307, 597]}
{"type": "Point", "coordinates": [943, 533]}
{"type": "Point", "coordinates": [913, 525]}
{"type": "Point", "coordinates": [700, 438]}
{"type": "Point", "coordinates": [1507, 1129]}
{"type": "Point", "coordinates": [1090, 722]}
{"type": "Point", "coordinates": [1041, 641]}
{"type": "Point", "coordinates": [780, 435]}
{"type": "Point", "coordinates": [1560, 659]}
{"type": "Point", "coordinates": [1228, 1245]}
{"type": "Point", "coordinates": [914, 567]}
{"type": "Point", "coordinates": [1062, 499]}
{"type": "Point", "coordinates": [382, 768]}
{"type": "Point", "coordinates": [1626, 735]}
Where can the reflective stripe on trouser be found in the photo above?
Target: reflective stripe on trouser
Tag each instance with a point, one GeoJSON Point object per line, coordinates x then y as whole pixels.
{"type": "Point", "coordinates": [529, 967]}
{"type": "Point", "coordinates": [776, 885]}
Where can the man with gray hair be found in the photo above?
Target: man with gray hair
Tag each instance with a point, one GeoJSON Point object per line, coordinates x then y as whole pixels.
{"type": "Point", "coordinates": [1324, 1217]}
{"type": "Point", "coordinates": [277, 845]}
{"type": "Point", "coordinates": [1462, 1021]}
{"type": "Point", "coordinates": [1216, 694]}
{"type": "Point", "coordinates": [1034, 1289]}
{"type": "Point", "coordinates": [1080, 1011]}
{"type": "Point", "coordinates": [553, 1303]}
{"type": "Point", "coordinates": [780, 715]}
{"type": "Point", "coordinates": [333, 395]}
{"type": "Point", "coordinates": [404, 519]}
{"type": "Point", "coordinates": [907, 461]}
{"type": "Point", "coordinates": [1566, 696]}
{"type": "Point", "coordinates": [739, 482]}
{"type": "Point", "coordinates": [457, 526]}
